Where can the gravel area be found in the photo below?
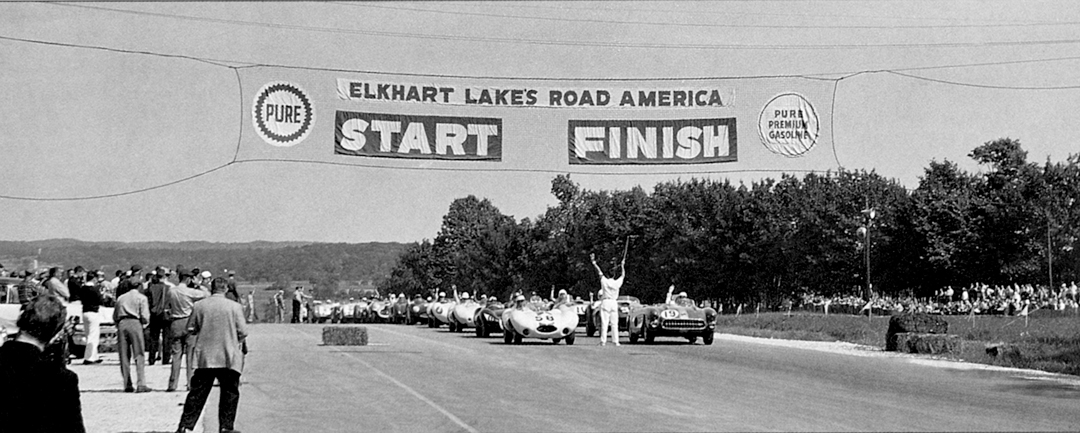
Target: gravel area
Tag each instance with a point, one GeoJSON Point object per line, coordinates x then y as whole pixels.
{"type": "Point", "coordinates": [107, 408]}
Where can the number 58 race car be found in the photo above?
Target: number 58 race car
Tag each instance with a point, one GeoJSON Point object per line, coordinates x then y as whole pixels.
{"type": "Point", "coordinates": [534, 321]}
{"type": "Point", "coordinates": [680, 319]}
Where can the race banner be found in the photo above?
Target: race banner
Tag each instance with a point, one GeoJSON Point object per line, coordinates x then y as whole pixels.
{"type": "Point", "coordinates": [701, 96]}
{"type": "Point", "coordinates": [417, 137]}
{"type": "Point", "coordinates": [677, 141]}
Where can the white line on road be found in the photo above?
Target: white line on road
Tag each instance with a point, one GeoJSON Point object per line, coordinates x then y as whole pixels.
{"type": "Point", "coordinates": [453, 418]}
{"type": "Point", "coordinates": [426, 340]}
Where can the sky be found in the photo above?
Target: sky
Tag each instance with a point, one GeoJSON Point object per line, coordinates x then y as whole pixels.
{"type": "Point", "coordinates": [894, 86]}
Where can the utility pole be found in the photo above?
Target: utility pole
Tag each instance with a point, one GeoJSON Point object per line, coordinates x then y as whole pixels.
{"type": "Point", "coordinates": [870, 214]}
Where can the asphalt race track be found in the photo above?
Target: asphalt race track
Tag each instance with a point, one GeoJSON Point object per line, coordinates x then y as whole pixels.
{"type": "Point", "coordinates": [416, 379]}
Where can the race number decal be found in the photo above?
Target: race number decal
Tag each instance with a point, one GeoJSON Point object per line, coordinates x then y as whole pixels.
{"type": "Point", "coordinates": [669, 314]}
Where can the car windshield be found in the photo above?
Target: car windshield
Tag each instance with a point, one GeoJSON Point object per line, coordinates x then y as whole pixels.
{"type": "Point", "coordinates": [684, 302]}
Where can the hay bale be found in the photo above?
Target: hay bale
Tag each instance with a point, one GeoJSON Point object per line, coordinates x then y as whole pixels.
{"type": "Point", "coordinates": [933, 344]}
{"type": "Point", "coordinates": [915, 323]}
{"type": "Point", "coordinates": [1004, 351]}
{"type": "Point", "coordinates": [344, 336]}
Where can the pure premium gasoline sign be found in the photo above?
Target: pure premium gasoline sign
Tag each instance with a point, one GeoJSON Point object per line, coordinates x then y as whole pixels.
{"type": "Point", "coordinates": [282, 114]}
{"type": "Point", "coordinates": [788, 125]}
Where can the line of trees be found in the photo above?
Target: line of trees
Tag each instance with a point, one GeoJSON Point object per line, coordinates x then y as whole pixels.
{"type": "Point", "coordinates": [764, 241]}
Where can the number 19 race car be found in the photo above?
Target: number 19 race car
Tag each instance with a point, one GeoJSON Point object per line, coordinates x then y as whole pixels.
{"type": "Point", "coordinates": [535, 321]}
{"type": "Point", "coordinates": [680, 319]}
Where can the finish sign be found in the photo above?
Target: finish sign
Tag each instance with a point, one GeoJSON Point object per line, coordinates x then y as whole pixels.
{"type": "Point", "coordinates": [282, 114]}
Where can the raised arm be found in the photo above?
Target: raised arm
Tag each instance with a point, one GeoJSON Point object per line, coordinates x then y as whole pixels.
{"type": "Point", "coordinates": [670, 290]}
{"type": "Point", "coordinates": [592, 258]}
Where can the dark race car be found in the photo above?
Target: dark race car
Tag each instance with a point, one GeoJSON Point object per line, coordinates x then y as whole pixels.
{"type": "Point", "coordinates": [417, 312]}
{"type": "Point", "coordinates": [626, 303]}
{"type": "Point", "coordinates": [487, 320]}
{"type": "Point", "coordinates": [399, 309]}
{"type": "Point", "coordinates": [681, 318]}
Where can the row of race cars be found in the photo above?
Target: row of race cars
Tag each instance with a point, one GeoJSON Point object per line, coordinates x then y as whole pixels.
{"type": "Point", "coordinates": [533, 318]}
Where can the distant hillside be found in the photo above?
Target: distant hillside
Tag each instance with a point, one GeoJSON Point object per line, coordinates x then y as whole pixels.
{"type": "Point", "coordinates": [253, 261]}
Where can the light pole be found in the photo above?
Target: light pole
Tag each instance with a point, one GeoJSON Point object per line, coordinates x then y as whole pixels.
{"type": "Point", "coordinates": [870, 214]}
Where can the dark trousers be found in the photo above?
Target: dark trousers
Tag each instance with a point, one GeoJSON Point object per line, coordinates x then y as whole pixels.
{"type": "Point", "coordinates": [201, 383]}
{"type": "Point", "coordinates": [295, 311]}
{"type": "Point", "coordinates": [159, 342]}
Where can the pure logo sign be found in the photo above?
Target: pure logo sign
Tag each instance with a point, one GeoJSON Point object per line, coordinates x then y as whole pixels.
{"type": "Point", "coordinates": [282, 114]}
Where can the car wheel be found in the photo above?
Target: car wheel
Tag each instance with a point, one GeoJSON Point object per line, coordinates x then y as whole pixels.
{"type": "Point", "coordinates": [570, 339]}
{"type": "Point", "coordinates": [707, 338]}
{"type": "Point", "coordinates": [453, 326]}
{"type": "Point", "coordinates": [517, 339]}
{"type": "Point", "coordinates": [590, 327]}
{"type": "Point", "coordinates": [508, 337]}
{"type": "Point", "coordinates": [646, 335]}
{"type": "Point", "coordinates": [633, 337]}
{"type": "Point", "coordinates": [481, 330]}
{"type": "Point", "coordinates": [431, 323]}
{"type": "Point", "coordinates": [556, 340]}
{"type": "Point", "coordinates": [692, 339]}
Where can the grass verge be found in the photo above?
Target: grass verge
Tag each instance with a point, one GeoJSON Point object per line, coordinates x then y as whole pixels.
{"type": "Point", "coordinates": [1049, 341]}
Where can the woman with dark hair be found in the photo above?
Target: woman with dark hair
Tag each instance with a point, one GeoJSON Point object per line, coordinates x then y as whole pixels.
{"type": "Point", "coordinates": [39, 396]}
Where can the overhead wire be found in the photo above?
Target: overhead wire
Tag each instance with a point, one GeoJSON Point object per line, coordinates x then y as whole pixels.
{"type": "Point", "coordinates": [596, 44]}
{"type": "Point", "coordinates": [236, 66]}
{"type": "Point", "coordinates": [802, 15]}
{"type": "Point", "coordinates": [784, 26]}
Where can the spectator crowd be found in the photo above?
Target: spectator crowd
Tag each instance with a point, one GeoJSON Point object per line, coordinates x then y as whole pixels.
{"type": "Point", "coordinates": [160, 315]}
{"type": "Point", "coordinates": [1014, 299]}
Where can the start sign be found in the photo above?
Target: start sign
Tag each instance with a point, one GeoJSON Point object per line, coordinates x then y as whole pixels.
{"type": "Point", "coordinates": [282, 114]}
{"type": "Point", "coordinates": [424, 137]}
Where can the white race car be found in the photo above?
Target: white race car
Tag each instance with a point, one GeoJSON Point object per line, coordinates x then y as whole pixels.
{"type": "Point", "coordinates": [533, 320]}
{"type": "Point", "coordinates": [439, 312]}
{"type": "Point", "coordinates": [463, 315]}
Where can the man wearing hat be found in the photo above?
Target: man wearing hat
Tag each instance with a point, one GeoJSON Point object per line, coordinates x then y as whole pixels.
{"type": "Point", "coordinates": [180, 302]}
{"type": "Point", "coordinates": [132, 282]}
{"type": "Point", "coordinates": [218, 324]}
{"type": "Point", "coordinates": [131, 313]}
{"type": "Point", "coordinates": [159, 341]}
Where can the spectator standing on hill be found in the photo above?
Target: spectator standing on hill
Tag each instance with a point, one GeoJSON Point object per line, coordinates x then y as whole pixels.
{"type": "Point", "coordinates": [55, 287]}
{"type": "Point", "coordinates": [90, 296]}
{"type": "Point", "coordinates": [609, 307]}
{"type": "Point", "coordinates": [218, 326]}
{"type": "Point", "coordinates": [159, 341]}
{"type": "Point", "coordinates": [131, 314]}
{"type": "Point", "coordinates": [180, 304]}
{"type": "Point", "coordinates": [38, 396]}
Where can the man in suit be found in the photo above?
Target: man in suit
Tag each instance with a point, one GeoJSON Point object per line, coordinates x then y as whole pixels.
{"type": "Point", "coordinates": [38, 396]}
{"type": "Point", "coordinates": [218, 327]}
